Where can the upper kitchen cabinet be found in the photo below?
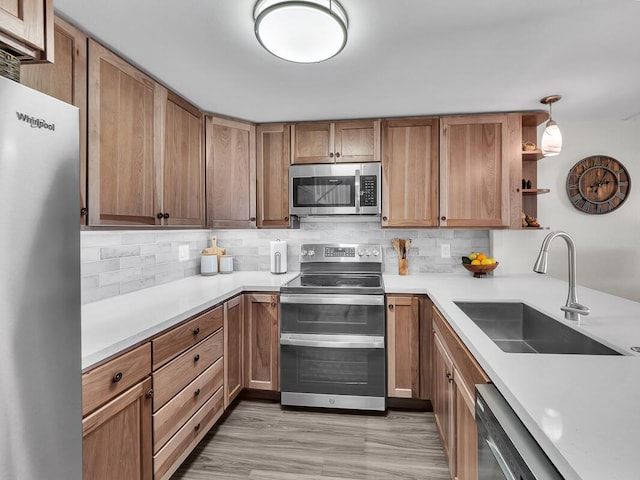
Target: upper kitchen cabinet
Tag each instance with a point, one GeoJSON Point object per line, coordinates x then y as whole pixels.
{"type": "Point", "coordinates": [353, 141]}
{"type": "Point", "coordinates": [122, 156]}
{"type": "Point", "coordinates": [26, 29]}
{"type": "Point", "coordinates": [66, 80]}
{"type": "Point", "coordinates": [480, 165]}
{"type": "Point", "coordinates": [273, 156]}
{"type": "Point", "coordinates": [410, 172]}
{"type": "Point", "coordinates": [182, 161]}
{"type": "Point", "coordinates": [230, 173]}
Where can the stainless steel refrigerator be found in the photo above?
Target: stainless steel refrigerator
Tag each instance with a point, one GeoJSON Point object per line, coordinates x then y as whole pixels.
{"type": "Point", "coordinates": [40, 358]}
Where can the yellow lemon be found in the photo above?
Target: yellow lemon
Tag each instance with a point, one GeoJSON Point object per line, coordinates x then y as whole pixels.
{"type": "Point", "coordinates": [486, 261]}
{"type": "Point", "coordinates": [475, 262]}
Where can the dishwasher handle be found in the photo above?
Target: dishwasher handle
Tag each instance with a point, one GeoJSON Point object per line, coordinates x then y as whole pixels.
{"type": "Point", "coordinates": [331, 341]}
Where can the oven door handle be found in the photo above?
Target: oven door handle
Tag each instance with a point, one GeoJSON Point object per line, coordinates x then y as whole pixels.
{"type": "Point", "coordinates": [502, 463]}
{"type": "Point", "coordinates": [335, 341]}
{"type": "Point", "coordinates": [333, 299]}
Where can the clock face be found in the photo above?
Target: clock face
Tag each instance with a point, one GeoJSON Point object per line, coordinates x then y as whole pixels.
{"type": "Point", "coordinates": [598, 184]}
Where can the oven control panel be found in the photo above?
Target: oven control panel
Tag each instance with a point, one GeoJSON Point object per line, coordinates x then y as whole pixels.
{"type": "Point", "coordinates": [341, 253]}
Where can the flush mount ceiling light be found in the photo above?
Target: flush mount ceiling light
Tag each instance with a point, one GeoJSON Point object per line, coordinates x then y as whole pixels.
{"type": "Point", "coordinates": [308, 31]}
{"type": "Point", "coordinates": [551, 143]}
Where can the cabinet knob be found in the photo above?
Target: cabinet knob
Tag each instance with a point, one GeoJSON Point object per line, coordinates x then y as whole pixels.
{"type": "Point", "coordinates": [286, 219]}
{"type": "Point", "coordinates": [273, 304]}
{"type": "Point", "coordinates": [443, 218]}
{"type": "Point", "coordinates": [197, 392]}
{"type": "Point", "coordinates": [391, 307]}
{"type": "Point", "coordinates": [159, 215]}
{"type": "Point", "coordinates": [197, 427]}
{"type": "Point", "coordinates": [196, 330]}
{"type": "Point", "coordinates": [338, 155]}
{"type": "Point", "coordinates": [331, 155]}
{"type": "Point", "coordinates": [517, 189]}
{"type": "Point", "coordinates": [166, 215]}
{"type": "Point", "coordinates": [84, 211]}
{"type": "Point", "coordinates": [196, 358]}
{"type": "Point", "coordinates": [149, 394]}
{"type": "Point", "coordinates": [117, 377]}
{"type": "Point", "coordinates": [449, 377]}
{"type": "Point", "coordinates": [384, 219]}
{"type": "Point", "coordinates": [252, 219]}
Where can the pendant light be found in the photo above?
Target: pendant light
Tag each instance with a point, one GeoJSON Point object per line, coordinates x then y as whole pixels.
{"type": "Point", "coordinates": [551, 143]}
{"type": "Point", "coordinates": [306, 31]}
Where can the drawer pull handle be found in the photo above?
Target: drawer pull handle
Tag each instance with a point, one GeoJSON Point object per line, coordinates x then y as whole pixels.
{"type": "Point", "coordinates": [197, 392]}
{"type": "Point", "coordinates": [449, 377]}
{"type": "Point", "coordinates": [196, 330]}
{"type": "Point", "coordinates": [150, 393]}
{"type": "Point", "coordinates": [196, 358]}
{"type": "Point", "coordinates": [197, 427]}
{"type": "Point", "coordinates": [117, 377]}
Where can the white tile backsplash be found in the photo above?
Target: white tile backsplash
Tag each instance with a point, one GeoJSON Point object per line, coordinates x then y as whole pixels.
{"type": "Point", "coordinates": [118, 262]}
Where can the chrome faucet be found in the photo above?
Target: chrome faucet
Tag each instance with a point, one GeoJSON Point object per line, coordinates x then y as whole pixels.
{"type": "Point", "coordinates": [572, 310]}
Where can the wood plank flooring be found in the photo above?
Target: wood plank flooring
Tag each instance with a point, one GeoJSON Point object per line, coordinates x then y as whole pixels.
{"type": "Point", "coordinates": [259, 440]}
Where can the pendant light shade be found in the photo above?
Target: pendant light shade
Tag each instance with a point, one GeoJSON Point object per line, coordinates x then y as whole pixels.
{"type": "Point", "coordinates": [308, 31]}
{"type": "Point", "coordinates": [551, 143]}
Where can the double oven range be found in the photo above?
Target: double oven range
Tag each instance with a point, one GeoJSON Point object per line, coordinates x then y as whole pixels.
{"type": "Point", "coordinates": [332, 334]}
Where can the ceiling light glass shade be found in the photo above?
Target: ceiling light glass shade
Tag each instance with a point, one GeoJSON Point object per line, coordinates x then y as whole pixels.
{"type": "Point", "coordinates": [551, 140]}
{"type": "Point", "coordinates": [307, 31]}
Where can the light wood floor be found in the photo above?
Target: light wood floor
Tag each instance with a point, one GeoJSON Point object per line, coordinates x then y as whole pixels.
{"type": "Point", "coordinates": [259, 440]}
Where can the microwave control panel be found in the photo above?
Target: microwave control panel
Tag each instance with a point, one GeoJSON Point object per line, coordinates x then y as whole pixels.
{"type": "Point", "coordinates": [368, 190]}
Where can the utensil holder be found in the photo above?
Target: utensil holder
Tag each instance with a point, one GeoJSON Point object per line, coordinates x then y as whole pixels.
{"type": "Point", "coordinates": [403, 266]}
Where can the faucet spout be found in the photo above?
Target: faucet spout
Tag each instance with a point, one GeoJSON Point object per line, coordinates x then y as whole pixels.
{"type": "Point", "coordinates": [572, 309]}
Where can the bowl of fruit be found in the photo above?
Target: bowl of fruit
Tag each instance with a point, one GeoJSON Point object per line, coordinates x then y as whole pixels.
{"type": "Point", "coordinates": [479, 264]}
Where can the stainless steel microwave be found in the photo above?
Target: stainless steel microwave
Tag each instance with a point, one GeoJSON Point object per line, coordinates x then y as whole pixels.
{"type": "Point", "coordinates": [335, 189]}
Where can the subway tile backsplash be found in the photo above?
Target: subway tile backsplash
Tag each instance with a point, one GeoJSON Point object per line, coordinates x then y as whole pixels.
{"type": "Point", "coordinates": [118, 262]}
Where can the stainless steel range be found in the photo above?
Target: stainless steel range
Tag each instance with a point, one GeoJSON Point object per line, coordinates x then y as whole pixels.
{"type": "Point", "coordinates": [332, 334]}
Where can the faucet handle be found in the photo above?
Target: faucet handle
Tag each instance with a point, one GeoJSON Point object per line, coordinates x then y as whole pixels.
{"type": "Point", "coordinates": [576, 308]}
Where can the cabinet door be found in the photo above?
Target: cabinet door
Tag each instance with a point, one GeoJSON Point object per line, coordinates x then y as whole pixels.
{"type": "Point", "coordinates": [410, 172]}
{"type": "Point", "coordinates": [443, 399]}
{"type": "Point", "coordinates": [66, 80]}
{"type": "Point", "coordinates": [475, 157]}
{"type": "Point", "coordinates": [273, 156]}
{"type": "Point", "coordinates": [312, 142]}
{"type": "Point", "coordinates": [230, 173]}
{"type": "Point", "coordinates": [116, 439]}
{"type": "Point", "coordinates": [262, 336]}
{"type": "Point", "coordinates": [26, 28]}
{"type": "Point", "coordinates": [121, 142]}
{"type": "Point", "coordinates": [466, 432]}
{"type": "Point", "coordinates": [357, 141]}
{"type": "Point", "coordinates": [183, 165]}
{"type": "Point", "coordinates": [233, 349]}
{"type": "Point", "coordinates": [403, 378]}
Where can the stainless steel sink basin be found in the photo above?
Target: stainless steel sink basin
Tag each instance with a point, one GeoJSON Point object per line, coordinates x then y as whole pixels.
{"type": "Point", "coordinates": [518, 328]}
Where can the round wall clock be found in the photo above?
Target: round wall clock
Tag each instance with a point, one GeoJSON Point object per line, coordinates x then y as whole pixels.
{"type": "Point", "coordinates": [598, 184]}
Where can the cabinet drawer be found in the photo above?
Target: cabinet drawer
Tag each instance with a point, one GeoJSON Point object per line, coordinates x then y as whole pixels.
{"type": "Point", "coordinates": [178, 373]}
{"type": "Point", "coordinates": [169, 458]}
{"type": "Point", "coordinates": [106, 381]}
{"type": "Point", "coordinates": [170, 344]}
{"type": "Point", "coordinates": [179, 409]}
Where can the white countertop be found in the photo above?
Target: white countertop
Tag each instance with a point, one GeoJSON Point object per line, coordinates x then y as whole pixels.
{"type": "Point", "coordinates": [583, 410]}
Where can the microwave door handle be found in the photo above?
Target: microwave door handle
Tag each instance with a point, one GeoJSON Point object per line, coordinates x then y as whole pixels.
{"type": "Point", "coordinates": [502, 463]}
{"type": "Point", "coordinates": [357, 189]}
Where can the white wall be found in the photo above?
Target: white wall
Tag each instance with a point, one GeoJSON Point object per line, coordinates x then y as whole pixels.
{"type": "Point", "coordinates": [608, 246]}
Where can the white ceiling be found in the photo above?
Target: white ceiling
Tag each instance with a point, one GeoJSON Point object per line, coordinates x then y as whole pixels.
{"type": "Point", "coordinates": [403, 57]}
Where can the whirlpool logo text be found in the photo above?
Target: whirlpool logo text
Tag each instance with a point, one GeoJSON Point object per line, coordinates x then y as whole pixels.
{"type": "Point", "coordinates": [36, 122]}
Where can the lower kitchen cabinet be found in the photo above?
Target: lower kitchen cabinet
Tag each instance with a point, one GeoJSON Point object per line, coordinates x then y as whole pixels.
{"type": "Point", "coordinates": [233, 349]}
{"type": "Point", "coordinates": [455, 372]}
{"type": "Point", "coordinates": [403, 347]}
{"type": "Point", "coordinates": [116, 428]}
{"type": "Point", "coordinates": [262, 342]}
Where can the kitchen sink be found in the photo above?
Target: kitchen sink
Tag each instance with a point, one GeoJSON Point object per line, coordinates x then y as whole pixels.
{"type": "Point", "coordinates": [519, 328]}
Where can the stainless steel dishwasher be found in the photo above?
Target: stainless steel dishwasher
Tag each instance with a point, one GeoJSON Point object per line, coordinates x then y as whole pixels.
{"type": "Point", "coordinates": [506, 449]}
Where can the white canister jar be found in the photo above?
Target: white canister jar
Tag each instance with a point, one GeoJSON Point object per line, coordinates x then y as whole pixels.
{"type": "Point", "coordinates": [209, 264]}
{"type": "Point", "coordinates": [226, 264]}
